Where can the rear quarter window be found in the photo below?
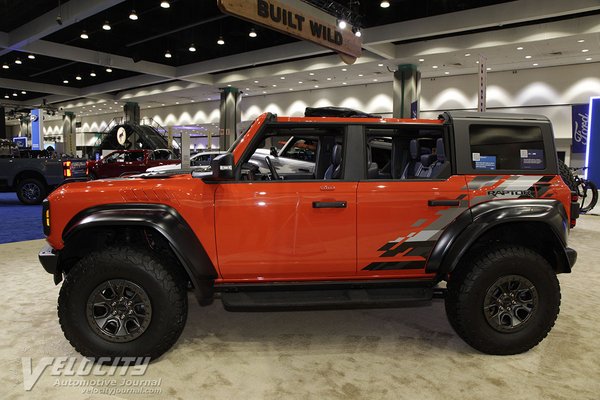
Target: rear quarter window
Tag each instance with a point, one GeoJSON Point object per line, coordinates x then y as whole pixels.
{"type": "Point", "coordinates": [510, 147]}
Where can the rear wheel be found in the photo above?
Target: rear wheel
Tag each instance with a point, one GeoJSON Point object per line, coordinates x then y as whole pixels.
{"type": "Point", "coordinates": [122, 302]}
{"type": "Point", "coordinates": [31, 191]}
{"type": "Point", "coordinates": [567, 176]}
{"type": "Point", "coordinates": [503, 301]}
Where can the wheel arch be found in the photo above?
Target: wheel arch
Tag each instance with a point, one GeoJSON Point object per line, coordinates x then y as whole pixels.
{"type": "Point", "coordinates": [29, 174]}
{"type": "Point", "coordinates": [90, 229]}
{"type": "Point", "coordinates": [538, 224]}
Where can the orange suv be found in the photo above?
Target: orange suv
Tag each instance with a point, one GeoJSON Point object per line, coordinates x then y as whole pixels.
{"type": "Point", "coordinates": [391, 209]}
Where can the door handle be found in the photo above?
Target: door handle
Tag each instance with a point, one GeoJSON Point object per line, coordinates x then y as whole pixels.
{"type": "Point", "coordinates": [443, 203]}
{"type": "Point", "coordinates": [329, 204]}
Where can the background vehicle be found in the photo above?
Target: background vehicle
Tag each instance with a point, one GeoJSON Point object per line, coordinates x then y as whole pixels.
{"type": "Point", "coordinates": [33, 178]}
{"type": "Point", "coordinates": [388, 210]}
{"type": "Point", "coordinates": [129, 162]}
{"type": "Point", "coordinates": [197, 160]}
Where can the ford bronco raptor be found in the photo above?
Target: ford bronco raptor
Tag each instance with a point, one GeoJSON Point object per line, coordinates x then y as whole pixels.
{"type": "Point", "coordinates": [469, 207]}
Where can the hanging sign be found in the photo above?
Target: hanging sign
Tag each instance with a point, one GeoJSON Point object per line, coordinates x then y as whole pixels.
{"type": "Point", "coordinates": [580, 117]}
{"type": "Point", "coordinates": [300, 20]}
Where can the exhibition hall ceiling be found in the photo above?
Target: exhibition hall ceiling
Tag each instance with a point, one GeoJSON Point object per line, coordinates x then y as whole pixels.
{"type": "Point", "coordinates": [69, 53]}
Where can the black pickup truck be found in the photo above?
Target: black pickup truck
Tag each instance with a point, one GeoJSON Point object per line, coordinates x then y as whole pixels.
{"type": "Point", "coordinates": [33, 178]}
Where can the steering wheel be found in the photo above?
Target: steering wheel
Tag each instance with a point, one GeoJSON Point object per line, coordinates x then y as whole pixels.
{"type": "Point", "coordinates": [274, 174]}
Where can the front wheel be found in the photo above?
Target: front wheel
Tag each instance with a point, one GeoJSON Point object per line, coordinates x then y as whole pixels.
{"type": "Point", "coordinates": [504, 300]}
{"type": "Point", "coordinates": [31, 191]}
{"type": "Point", "coordinates": [122, 302]}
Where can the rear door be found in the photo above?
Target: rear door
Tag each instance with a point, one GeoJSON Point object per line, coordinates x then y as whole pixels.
{"type": "Point", "coordinates": [401, 215]}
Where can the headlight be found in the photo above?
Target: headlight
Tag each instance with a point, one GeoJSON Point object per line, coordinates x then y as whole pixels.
{"type": "Point", "coordinates": [46, 216]}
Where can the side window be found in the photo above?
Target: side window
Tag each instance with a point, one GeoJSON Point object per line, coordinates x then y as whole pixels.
{"type": "Point", "coordinates": [506, 147]}
{"type": "Point", "coordinates": [296, 154]}
{"type": "Point", "coordinates": [406, 153]}
{"type": "Point", "coordinates": [116, 157]}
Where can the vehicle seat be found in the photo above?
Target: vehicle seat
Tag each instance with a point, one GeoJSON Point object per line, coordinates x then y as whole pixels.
{"type": "Point", "coordinates": [335, 169]}
{"type": "Point", "coordinates": [428, 163]}
{"type": "Point", "coordinates": [414, 164]}
{"type": "Point", "coordinates": [442, 162]}
{"type": "Point", "coordinates": [373, 171]}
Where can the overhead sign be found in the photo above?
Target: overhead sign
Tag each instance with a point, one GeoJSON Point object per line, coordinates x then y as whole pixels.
{"type": "Point", "coordinates": [300, 20]}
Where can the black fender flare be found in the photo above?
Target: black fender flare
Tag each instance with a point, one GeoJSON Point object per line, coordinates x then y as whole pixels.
{"type": "Point", "coordinates": [461, 234]}
{"type": "Point", "coordinates": [162, 218]}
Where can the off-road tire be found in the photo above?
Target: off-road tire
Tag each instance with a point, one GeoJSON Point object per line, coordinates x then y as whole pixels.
{"type": "Point", "coordinates": [567, 175]}
{"type": "Point", "coordinates": [477, 274]}
{"type": "Point", "coordinates": [164, 285]}
{"type": "Point", "coordinates": [31, 191]}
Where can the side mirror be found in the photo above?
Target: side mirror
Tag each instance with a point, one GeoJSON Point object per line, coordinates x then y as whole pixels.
{"type": "Point", "coordinates": [222, 167]}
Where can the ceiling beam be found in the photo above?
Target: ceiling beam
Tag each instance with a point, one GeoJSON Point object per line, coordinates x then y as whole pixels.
{"type": "Point", "coordinates": [38, 87]}
{"type": "Point", "coordinates": [46, 24]}
{"type": "Point", "coordinates": [385, 50]}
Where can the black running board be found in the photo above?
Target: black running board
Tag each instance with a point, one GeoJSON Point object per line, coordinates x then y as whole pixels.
{"type": "Point", "coordinates": [326, 299]}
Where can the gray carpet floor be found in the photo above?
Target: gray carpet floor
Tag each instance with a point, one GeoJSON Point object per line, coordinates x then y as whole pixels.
{"type": "Point", "coordinates": [409, 353]}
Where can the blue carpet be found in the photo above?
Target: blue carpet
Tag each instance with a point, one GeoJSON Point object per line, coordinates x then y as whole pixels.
{"type": "Point", "coordinates": [17, 221]}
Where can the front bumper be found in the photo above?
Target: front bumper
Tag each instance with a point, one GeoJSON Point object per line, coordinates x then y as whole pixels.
{"type": "Point", "coordinates": [49, 260]}
{"type": "Point", "coordinates": [572, 256]}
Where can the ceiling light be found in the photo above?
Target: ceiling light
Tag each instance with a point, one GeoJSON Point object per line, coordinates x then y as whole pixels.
{"type": "Point", "coordinates": [358, 33]}
{"type": "Point", "coordinates": [274, 85]}
{"type": "Point", "coordinates": [229, 85]}
{"type": "Point", "coordinates": [264, 92]}
{"type": "Point", "coordinates": [488, 69]}
{"type": "Point", "coordinates": [588, 59]}
{"type": "Point", "coordinates": [380, 65]}
{"type": "Point", "coordinates": [375, 80]}
{"type": "Point", "coordinates": [133, 16]}
{"type": "Point", "coordinates": [584, 50]}
{"type": "Point", "coordinates": [247, 88]}
{"type": "Point", "coordinates": [66, 81]}
{"type": "Point", "coordinates": [18, 61]}
{"type": "Point", "coordinates": [84, 35]}
{"type": "Point", "coordinates": [92, 74]}
{"type": "Point", "coordinates": [109, 70]}
{"type": "Point", "coordinates": [6, 96]}
{"type": "Point", "coordinates": [446, 73]}
{"type": "Point", "coordinates": [360, 75]}
{"type": "Point", "coordinates": [435, 67]}
{"type": "Point", "coordinates": [252, 33]}
{"type": "Point", "coordinates": [328, 79]}
{"type": "Point", "coordinates": [192, 48]}
{"type": "Point", "coordinates": [344, 69]}
{"type": "Point", "coordinates": [78, 77]}
{"type": "Point", "coordinates": [344, 83]}
{"type": "Point", "coordinates": [342, 24]}
{"type": "Point", "coordinates": [5, 66]}
{"type": "Point", "coordinates": [255, 81]}
{"type": "Point", "coordinates": [94, 106]}
{"type": "Point", "coordinates": [316, 86]}
{"type": "Point", "coordinates": [220, 42]}
{"type": "Point", "coordinates": [519, 48]}
{"type": "Point", "coordinates": [467, 54]}
{"type": "Point", "coordinates": [528, 57]}
{"type": "Point", "coordinates": [283, 77]}
{"type": "Point", "coordinates": [477, 62]}
{"type": "Point", "coordinates": [580, 41]}
{"type": "Point", "coordinates": [168, 54]}
{"type": "Point", "coordinates": [15, 94]}
{"type": "Point", "coordinates": [291, 89]}
{"type": "Point", "coordinates": [165, 4]}
{"type": "Point", "coordinates": [311, 73]}
{"type": "Point", "coordinates": [162, 104]}
{"type": "Point", "coordinates": [421, 59]}
{"type": "Point", "coordinates": [106, 26]}
{"type": "Point", "coordinates": [384, 4]}
{"type": "Point", "coordinates": [23, 92]}
{"type": "Point", "coordinates": [31, 57]}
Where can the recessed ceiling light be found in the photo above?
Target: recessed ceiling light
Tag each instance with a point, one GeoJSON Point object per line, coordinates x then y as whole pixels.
{"type": "Point", "coordinates": [344, 69]}
{"type": "Point", "coordinates": [15, 94]}
{"type": "Point", "coordinates": [580, 41]}
{"type": "Point", "coordinates": [92, 74]}
{"type": "Point", "coordinates": [328, 79]}
{"type": "Point", "coordinates": [446, 73]}
{"type": "Point", "coordinates": [94, 106]}
{"type": "Point", "coordinates": [488, 68]}
{"type": "Point", "coordinates": [176, 102]}
{"type": "Point", "coordinates": [78, 77]}
{"type": "Point", "coordinates": [519, 48]}
{"type": "Point", "coordinates": [435, 67]}
{"type": "Point", "coordinates": [528, 57]}
{"type": "Point", "coordinates": [311, 73]}
{"type": "Point", "coordinates": [252, 33]}
{"type": "Point", "coordinates": [192, 48]}
{"type": "Point", "coordinates": [255, 81]}
{"type": "Point", "coordinates": [344, 83]}
{"type": "Point", "coordinates": [300, 82]}
{"type": "Point", "coordinates": [360, 75]}
{"type": "Point", "coordinates": [116, 102]}
{"type": "Point", "coordinates": [584, 50]}
{"type": "Point", "coordinates": [220, 41]}
{"type": "Point", "coordinates": [316, 86]}
{"type": "Point", "coordinates": [283, 77]}
{"type": "Point", "coordinates": [18, 61]}
{"type": "Point", "coordinates": [247, 88]}
{"type": "Point", "coordinates": [162, 104]}
{"type": "Point", "coordinates": [274, 85]}
{"type": "Point", "coordinates": [588, 59]}
{"type": "Point", "coordinates": [467, 54]}
{"type": "Point", "coordinates": [384, 4]}
{"type": "Point", "coordinates": [23, 92]}
{"type": "Point", "coordinates": [109, 70]}
{"type": "Point", "coordinates": [165, 4]}
{"type": "Point", "coordinates": [375, 80]}
{"type": "Point", "coordinates": [31, 57]}
{"type": "Point", "coordinates": [535, 64]}
{"type": "Point", "coordinates": [291, 89]}
{"type": "Point", "coordinates": [264, 92]}
{"type": "Point", "coordinates": [421, 59]}
{"type": "Point", "coordinates": [66, 81]}
{"type": "Point", "coordinates": [380, 65]}
{"type": "Point", "coordinates": [476, 62]}
{"type": "Point", "coordinates": [168, 54]}
{"type": "Point", "coordinates": [6, 96]}
{"type": "Point", "coordinates": [5, 66]}
{"type": "Point", "coordinates": [133, 16]}
{"type": "Point", "coordinates": [106, 26]}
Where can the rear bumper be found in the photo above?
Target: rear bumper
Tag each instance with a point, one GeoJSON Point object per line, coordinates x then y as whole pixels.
{"type": "Point", "coordinates": [49, 259]}
{"type": "Point", "coordinates": [572, 256]}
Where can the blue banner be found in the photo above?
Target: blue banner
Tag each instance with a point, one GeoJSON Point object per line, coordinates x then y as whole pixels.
{"type": "Point", "coordinates": [580, 118]}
